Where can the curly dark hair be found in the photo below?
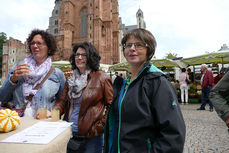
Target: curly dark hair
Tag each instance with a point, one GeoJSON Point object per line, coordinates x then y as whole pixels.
{"type": "Point", "coordinates": [93, 58]}
{"type": "Point", "coordinates": [146, 37]}
{"type": "Point", "coordinates": [47, 37]}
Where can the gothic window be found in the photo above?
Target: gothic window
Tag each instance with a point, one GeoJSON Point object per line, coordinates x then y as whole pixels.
{"type": "Point", "coordinates": [56, 22]}
{"type": "Point", "coordinates": [140, 22]}
{"type": "Point", "coordinates": [56, 11]}
{"type": "Point", "coordinates": [103, 31]}
{"type": "Point", "coordinates": [84, 23]}
{"type": "Point", "coordinates": [56, 31]}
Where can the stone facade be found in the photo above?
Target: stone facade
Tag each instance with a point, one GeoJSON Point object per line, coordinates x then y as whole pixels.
{"type": "Point", "coordinates": [13, 52]}
{"type": "Point", "coordinates": [94, 21]}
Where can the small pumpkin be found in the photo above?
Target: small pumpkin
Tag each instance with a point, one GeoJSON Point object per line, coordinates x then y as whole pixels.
{"type": "Point", "coordinates": [9, 120]}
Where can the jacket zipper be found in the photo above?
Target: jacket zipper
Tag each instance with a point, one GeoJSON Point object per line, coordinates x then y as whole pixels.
{"type": "Point", "coordinates": [119, 124]}
{"type": "Point", "coordinates": [149, 146]}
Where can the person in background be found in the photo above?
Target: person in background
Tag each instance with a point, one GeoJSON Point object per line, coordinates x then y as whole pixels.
{"type": "Point", "coordinates": [218, 77]}
{"type": "Point", "coordinates": [218, 96]}
{"type": "Point", "coordinates": [113, 77]}
{"type": "Point", "coordinates": [26, 74]}
{"type": "Point", "coordinates": [206, 82]}
{"type": "Point", "coordinates": [86, 98]}
{"type": "Point", "coordinates": [145, 115]}
{"type": "Point", "coordinates": [191, 75]}
{"type": "Point", "coordinates": [118, 81]}
{"type": "Point", "coordinates": [183, 86]}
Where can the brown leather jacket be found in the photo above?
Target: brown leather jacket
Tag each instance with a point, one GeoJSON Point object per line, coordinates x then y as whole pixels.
{"type": "Point", "coordinates": [96, 100]}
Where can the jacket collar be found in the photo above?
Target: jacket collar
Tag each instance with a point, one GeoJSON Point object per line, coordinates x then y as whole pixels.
{"type": "Point", "coordinates": [150, 68]}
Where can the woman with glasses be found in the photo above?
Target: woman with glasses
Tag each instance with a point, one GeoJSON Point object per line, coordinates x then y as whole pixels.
{"type": "Point", "coordinates": [86, 99]}
{"type": "Point", "coordinates": [144, 116]}
{"type": "Point", "coordinates": [18, 90]}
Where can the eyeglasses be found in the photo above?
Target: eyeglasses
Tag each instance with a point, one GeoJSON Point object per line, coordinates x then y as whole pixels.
{"type": "Point", "coordinates": [137, 45]}
{"type": "Point", "coordinates": [39, 44]}
{"type": "Point", "coordinates": [77, 55]}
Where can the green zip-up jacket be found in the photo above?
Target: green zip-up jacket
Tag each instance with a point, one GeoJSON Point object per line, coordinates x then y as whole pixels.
{"type": "Point", "coordinates": [148, 118]}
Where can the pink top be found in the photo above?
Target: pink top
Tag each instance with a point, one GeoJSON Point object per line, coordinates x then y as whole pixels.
{"type": "Point", "coordinates": [182, 78]}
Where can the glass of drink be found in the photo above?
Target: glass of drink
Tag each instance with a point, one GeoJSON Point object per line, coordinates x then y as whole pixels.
{"type": "Point", "coordinates": [55, 114]}
{"type": "Point", "coordinates": [25, 67]}
{"type": "Point", "coordinates": [42, 113]}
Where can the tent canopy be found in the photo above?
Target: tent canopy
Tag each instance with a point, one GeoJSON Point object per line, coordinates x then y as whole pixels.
{"type": "Point", "coordinates": [65, 66]}
{"type": "Point", "coordinates": [214, 57]}
{"type": "Point", "coordinates": [157, 62]}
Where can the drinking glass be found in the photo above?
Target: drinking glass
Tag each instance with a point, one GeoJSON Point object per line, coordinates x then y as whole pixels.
{"type": "Point", "coordinates": [55, 114]}
{"type": "Point", "coordinates": [42, 113]}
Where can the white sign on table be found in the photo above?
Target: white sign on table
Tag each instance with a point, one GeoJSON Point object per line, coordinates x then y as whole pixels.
{"type": "Point", "coordinates": [39, 133]}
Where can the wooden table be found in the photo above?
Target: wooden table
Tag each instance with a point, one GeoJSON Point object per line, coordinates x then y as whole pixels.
{"type": "Point", "coordinates": [57, 145]}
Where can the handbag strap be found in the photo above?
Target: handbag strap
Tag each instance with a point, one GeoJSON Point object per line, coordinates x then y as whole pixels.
{"type": "Point", "coordinates": [45, 78]}
{"type": "Point", "coordinates": [30, 97]}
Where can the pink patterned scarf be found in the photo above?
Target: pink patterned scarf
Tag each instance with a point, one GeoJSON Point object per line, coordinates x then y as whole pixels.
{"type": "Point", "coordinates": [36, 74]}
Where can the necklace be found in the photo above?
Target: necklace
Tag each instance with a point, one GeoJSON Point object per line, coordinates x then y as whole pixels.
{"type": "Point", "coordinates": [128, 80]}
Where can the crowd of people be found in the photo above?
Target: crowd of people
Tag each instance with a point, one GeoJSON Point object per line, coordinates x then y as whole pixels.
{"type": "Point", "coordinates": [137, 113]}
{"type": "Point", "coordinates": [214, 90]}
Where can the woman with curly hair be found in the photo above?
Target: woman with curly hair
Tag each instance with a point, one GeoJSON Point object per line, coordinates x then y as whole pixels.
{"type": "Point", "coordinates": [18, 90]}
{"type": "Point", "coordinates": [85, 100]}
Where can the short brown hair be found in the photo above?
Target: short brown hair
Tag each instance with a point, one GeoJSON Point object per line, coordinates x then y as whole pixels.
{"type": "Point", "coordinates": [146, 37]}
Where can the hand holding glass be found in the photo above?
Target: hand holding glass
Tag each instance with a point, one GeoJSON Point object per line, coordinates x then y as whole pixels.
{"type": "Point", "coordinates": [21, 70]}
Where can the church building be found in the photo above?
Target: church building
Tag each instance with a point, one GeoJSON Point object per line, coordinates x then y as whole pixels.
{"type": "Point", "coordinates": [95, 21]}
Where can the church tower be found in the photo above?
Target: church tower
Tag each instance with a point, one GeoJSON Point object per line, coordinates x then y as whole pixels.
{"type": "Point", "coordinates": [95, 21]}
{"type": "Point", "coordinates": [140, 19]}
{"type": "Point", "coordinates": [53, 20]}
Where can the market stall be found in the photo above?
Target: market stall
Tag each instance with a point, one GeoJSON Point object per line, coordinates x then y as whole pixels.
{"type": "Point", "coordinates": [215, 60]}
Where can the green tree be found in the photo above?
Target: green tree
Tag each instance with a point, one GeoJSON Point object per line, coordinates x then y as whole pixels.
{"type": "Point", "coordinates": [3, 39]}
{"type": "Point", "coordinates": [171, 55]}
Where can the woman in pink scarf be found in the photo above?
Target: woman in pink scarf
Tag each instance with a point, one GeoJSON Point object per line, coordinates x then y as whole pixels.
{"type": "Point", "coordinates": [30, 72]}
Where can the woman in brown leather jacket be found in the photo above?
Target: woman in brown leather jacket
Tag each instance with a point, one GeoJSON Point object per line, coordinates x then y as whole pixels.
{"type": "Point", "coordinates": [86, 98]}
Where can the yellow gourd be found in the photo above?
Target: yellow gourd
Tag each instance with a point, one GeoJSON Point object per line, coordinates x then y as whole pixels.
{"type": "Point", "coordinates": [9, 120]}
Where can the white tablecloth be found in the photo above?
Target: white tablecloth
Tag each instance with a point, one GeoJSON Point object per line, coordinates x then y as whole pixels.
{"type": "Point", "coordinates": [57, 145]}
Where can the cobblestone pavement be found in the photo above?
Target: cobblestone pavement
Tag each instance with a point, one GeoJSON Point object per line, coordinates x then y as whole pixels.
{"type": "Point", "coordinates": [205, 131]}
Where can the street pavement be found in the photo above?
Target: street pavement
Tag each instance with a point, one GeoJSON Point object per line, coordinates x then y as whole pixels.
{"type": "Point", "coordinates": [205, 131]}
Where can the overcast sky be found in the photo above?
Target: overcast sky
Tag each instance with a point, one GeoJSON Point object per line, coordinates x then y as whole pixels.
{"type": "Point", "coordinates": [185, 27]}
